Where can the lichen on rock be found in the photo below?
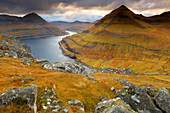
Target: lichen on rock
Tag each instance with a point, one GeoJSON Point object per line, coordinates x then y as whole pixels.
{"type": "Point", "coordinates": [50, 101]}
{"type": "Point", "coordinates": [25, 95]}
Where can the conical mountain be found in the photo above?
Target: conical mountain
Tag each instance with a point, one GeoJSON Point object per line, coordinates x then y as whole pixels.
{"type": "Point", "coordinates": [33, 18]}
{"type": "Point", "coordinates": [123, 38]}
{"type": "Point", "coordinates": [121, 15]}
{"type": "Point", "coordinates": [30, 26]}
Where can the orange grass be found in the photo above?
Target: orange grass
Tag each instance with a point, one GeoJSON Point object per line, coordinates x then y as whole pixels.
{"type": "Point", "coordinates": [68, 86]}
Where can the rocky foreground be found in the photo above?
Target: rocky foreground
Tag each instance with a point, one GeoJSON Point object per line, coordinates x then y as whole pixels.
{"type": "Point", "coordinates": [131, 98]}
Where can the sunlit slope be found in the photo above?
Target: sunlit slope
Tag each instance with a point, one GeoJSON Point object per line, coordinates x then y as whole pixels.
{"type": "Point", "coordinates": [123, 36]}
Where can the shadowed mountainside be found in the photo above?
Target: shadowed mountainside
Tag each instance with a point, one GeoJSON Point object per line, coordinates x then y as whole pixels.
{"type": "Point", "coordinates": [76, 26]}
{"type": "Point", "coordinates": [29, 26]}
{"type": "Point", "coordinates": [123, 38]}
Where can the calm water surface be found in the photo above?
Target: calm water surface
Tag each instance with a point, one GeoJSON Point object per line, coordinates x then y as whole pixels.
{"type": "Point", "coordinates": [48, 48]}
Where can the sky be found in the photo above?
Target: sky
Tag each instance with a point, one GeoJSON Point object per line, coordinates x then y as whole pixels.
{"type": "Point", "coordinates": [82, 10]}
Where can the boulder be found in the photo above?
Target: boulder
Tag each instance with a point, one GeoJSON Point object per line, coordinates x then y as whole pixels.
{"type": "Point", "coordinates": [162, 99]}
{"type": "Point", "coordinates": [27, 95]}
{"type": "Point", "coordinates": [120, 107]}
{"type": "Point", "coordinates": [50, 101]}
{"type": "Point", "coordinates": [112, 106]}
{"type": "Point", "coordinates": [137, 97]}
{"type": "Point", "coordinates": [75, 102]}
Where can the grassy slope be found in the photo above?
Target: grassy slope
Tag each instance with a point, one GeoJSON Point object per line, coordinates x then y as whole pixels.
{"type": "Point", "coordinates": [128, 42]}
{"type": "Point", "coordinates": [68, 86]}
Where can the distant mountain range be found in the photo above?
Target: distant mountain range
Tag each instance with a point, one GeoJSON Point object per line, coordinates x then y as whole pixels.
{"type": "Point", "coordinates": [76, 26]}
{"type": "Point", "coordinates": [29, 26]}
{"type": "Point", "coordinates": [123, 38]}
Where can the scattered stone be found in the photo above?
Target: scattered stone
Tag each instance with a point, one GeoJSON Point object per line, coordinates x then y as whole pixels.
{"type": "Point", "coordinates": [25, 79]}
{"type": "Point", "coordinates": [13, 76]}
{"type": "Point", "coordinates": [11, 54]}
{"type": "Point", "coordinates": [49, 101]}
{"type": "Point", "coordinates": [54, 86]}
{"type": "Point", "coordinates": [27, 94]}
{"type": "Point", "coordinates": [27, 61]}
{"type": "Point", "coordinates": [115, 70]}
{"type": "Point", "coordinates": [75, 102]}
{"type": "Point", "coordinates": [112, 89]}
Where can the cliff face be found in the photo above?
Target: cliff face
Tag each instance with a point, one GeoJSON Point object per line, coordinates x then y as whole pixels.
{"type": "Point", "coordinates": [29, 26]}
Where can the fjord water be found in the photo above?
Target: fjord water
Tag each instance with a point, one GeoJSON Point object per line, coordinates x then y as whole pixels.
{"type": "Point", "coordinates": [48, 48]}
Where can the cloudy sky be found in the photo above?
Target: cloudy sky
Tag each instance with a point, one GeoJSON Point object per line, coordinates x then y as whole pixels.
{"type": "Point", "coordinates": [83, 10]}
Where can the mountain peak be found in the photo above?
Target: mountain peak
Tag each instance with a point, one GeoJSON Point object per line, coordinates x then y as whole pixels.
{"type": "Point", "coordinates": [31, 14]}
{"type": "Point", "coordinates": [122, 9]}
{"type": "Point", "coordinates": [121, 15]}
{"type": "Point", "coordinates": [33, 17]}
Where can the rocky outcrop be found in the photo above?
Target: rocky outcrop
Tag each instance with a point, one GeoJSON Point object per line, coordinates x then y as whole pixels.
{"type": "Point", "coordinates": [74, 67]}
{"type": "Point", "coordinates": [145, 99]}
{"type": "Point", "coordinates": [25, 95]}
{"type": "Point", "coordinates": [162, 100]}
{"type": "Point", "coordinates": [69, 66]}
{"type": "Point", "coordinates": [44, 63]}
{"type": "Point", "coordinates": [77, 103]}
{"type": "Point", "coordinates": [14, 48]}
{"type": "Point", "coordinates": [112, 106]}
{"type": "Point", "coordinates": [50, 101]}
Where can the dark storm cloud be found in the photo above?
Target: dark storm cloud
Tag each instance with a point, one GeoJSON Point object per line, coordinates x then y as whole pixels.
{"type": "Point", "coordinates": [51, 6]}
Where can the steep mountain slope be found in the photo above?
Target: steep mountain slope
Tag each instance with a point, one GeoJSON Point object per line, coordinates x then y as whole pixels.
{"type": "Point", "coordinates": [29, 26]}
{"type": "Point", "coordinates": [123, 38]}
{"type": "Point", "coordinates": [76, 26]}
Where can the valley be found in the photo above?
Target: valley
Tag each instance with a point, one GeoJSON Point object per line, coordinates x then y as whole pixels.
{"type": "Point", "coordinates": [118, 64]}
